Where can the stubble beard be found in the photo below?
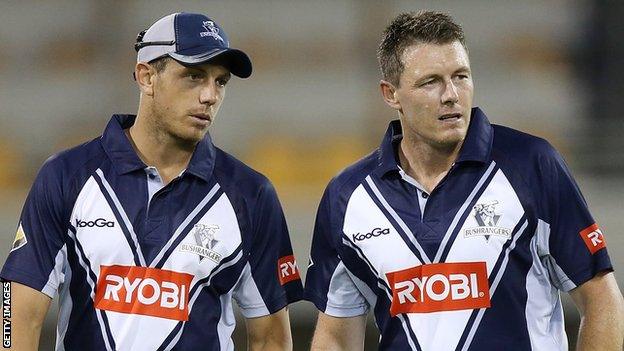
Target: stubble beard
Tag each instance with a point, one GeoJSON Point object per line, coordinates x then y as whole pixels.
{"type": "Point", "coordinates": [442, 144]}
{"type": "Point", "coordinates": [166, 132]}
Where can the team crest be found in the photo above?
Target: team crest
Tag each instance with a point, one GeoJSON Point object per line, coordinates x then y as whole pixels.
{"type": "Point", "coordinates": [211, 31]}
{"type": "Point", "coordinates": [20, 238]}
{"type": "Point", "coordinates": [205, 239]}
{"type": "Point", "coordinates": [487, 216]}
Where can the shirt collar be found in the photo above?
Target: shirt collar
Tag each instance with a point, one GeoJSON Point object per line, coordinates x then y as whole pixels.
{"type": "Point", "coordinates": [477, 145]}
{"type": "Point", "coordinates": [125, 159]}
{"type": "Point", "coordinates": [203, 160]}
{"type": "Point", "coordinates": [387, 155]}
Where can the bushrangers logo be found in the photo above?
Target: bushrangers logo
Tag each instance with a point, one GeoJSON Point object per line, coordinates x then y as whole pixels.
{"type": "Point", "coordinates": [487, 218]}
{"type": "Point", "coordinates": [205, 237]}
{"type": "Point", "coordinates": [287, 269]}
{"type": "Point", "coordinates": [373, 233]}
{"type": "Point", "coordinates": [142, 290]}
{"type": "Point", "coordinates": [211, 31]}
{"type": "Point", "coordinates": [439, 287]}
{"type": "Point", "coordinates": [593, 238]}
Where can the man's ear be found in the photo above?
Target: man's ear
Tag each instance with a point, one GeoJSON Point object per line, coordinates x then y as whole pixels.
{"type": "Point", "coordinates": [144, 74]}
{"type": "Point", "coordinates": [388, 92]}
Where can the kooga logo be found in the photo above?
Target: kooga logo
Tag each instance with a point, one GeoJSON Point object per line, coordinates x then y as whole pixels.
{"type": "Point", "coordinates": [100, 222]}
{"type": "Point", "coordinates": [373, 233]}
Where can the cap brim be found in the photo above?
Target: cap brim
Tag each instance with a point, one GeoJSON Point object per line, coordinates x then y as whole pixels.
{"type": "Point", "coordinates": [238, 62]}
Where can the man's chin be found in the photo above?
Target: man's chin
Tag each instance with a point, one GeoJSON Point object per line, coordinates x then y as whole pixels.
{"type": "Point", "coordinates": [191, 138]}
{"type": "Point", "coordinates": [451, 141]}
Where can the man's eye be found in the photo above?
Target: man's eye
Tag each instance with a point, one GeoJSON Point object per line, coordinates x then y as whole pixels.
{"type": "Point", "coordinates": [194, 76]}
{"type": "Point", "coordinates": [222, 82]}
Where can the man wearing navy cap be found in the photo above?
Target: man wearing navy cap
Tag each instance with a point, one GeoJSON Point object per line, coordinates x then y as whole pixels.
{"type": "Point", "coordinates": [149, 232]}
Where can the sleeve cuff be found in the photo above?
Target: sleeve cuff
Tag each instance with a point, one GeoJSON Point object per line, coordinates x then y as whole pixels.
{"type": "Point", "coordinates": [267, 308]}
{"type": "Point", "coordinates": [334, 310]}
{"type": "Point", "coordinates": [343, 311]}
{"type": "Point", "coordinates": [24, 278]}
{"type": "Point", "coordinates": [583, 276]}
{"type": "Point", "coordinates": [254, 312]}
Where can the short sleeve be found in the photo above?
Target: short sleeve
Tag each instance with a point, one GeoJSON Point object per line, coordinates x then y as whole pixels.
{"type": "Point", "coordinates": [270, 279]}
{"type": "Point", "coordinates": [329, 284]}
{"type": "Point", "coordinates": [572, 240]}
{"type": "Point", "coordinates": [37, 258]}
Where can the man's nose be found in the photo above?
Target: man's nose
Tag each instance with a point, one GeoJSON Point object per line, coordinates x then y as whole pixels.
{"type": "Point", "coordinates": [209, 94]}
{"type": "Point", "coordinates": [450, 95]}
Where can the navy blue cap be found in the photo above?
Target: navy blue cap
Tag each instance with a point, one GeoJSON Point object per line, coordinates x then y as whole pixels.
{"type": "Point", "coordinates": [190, 39]}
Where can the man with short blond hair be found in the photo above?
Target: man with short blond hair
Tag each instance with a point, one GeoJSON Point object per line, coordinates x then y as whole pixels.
{"type": "Point", "coordinates": [457, 234]}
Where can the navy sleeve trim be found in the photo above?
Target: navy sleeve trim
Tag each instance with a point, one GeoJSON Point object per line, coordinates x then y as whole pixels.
{"type": "Point", "coordinates": [25, 278]}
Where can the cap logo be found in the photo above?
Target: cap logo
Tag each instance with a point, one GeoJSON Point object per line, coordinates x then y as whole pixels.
{"type": "Point", "coordinates": [211, 31]}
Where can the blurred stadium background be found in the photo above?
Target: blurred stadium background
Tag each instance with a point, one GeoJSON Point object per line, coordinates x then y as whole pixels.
{"type": "Point", "coordinates": [551, 68]}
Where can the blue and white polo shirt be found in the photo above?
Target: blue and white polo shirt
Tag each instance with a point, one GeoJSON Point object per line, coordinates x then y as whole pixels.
{"type": "Point", "coordinates": [478, 264]}
{"type": "Point", "coordinates": [143, 266]}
